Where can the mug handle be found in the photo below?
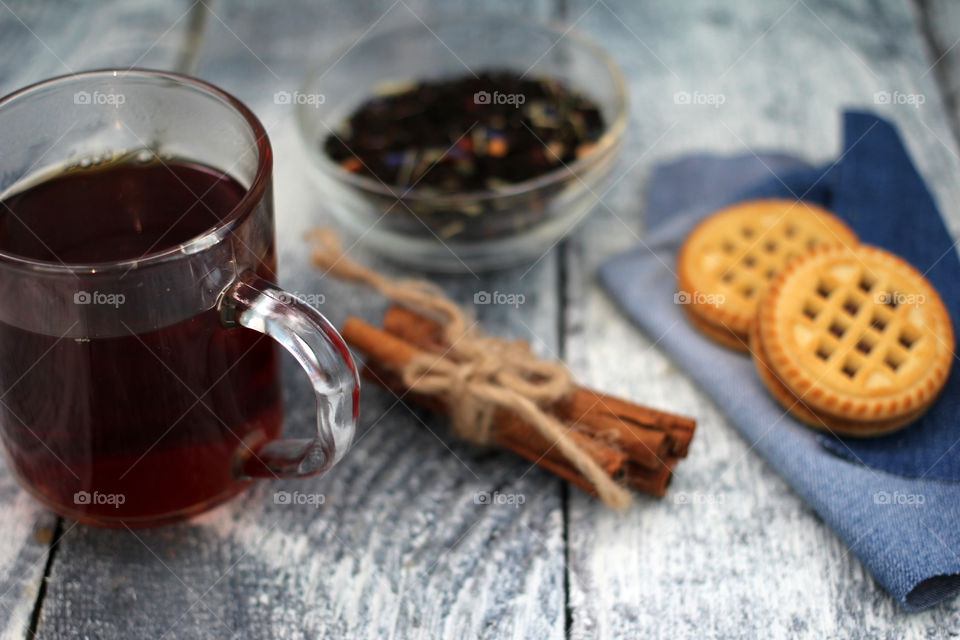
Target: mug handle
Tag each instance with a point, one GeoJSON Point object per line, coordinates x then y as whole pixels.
{"type": "Point", "coordinates": [260, 305]}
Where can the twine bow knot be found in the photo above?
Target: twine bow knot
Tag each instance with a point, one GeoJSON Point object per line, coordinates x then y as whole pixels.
{"type": "Point", "coordinates": [478, 374]}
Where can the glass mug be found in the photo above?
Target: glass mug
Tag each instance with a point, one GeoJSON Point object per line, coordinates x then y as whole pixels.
{"type": "Point", "coordinates": [141, 389]}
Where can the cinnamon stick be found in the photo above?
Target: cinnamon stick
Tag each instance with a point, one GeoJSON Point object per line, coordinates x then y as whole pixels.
{"type": "Point", "coordinates": [509, 431]}
{"type": "Point", "coordinates": [602, 411]}
{"type": "Point", "coordinates": [600, 442]}
{"type": "Point", "coordinates": [647, 434]}
{"type": "Point", "coordinates": [636, 444]}
{"type": "Point", "coordinates": [652, 481]}
{"type": "Point", "coordinates": [549, 459]}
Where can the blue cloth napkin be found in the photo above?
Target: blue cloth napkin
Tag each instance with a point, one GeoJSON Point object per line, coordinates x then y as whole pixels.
{"type": "Point", "coordinates": [895, 500]}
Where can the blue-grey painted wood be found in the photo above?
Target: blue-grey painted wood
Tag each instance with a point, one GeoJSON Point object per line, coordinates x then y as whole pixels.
{"type": "Point", "coordinates": [27, 531]}
{"type": "Point", "coordinates": [43, 39]}
{"type": "Point", "coordinates": [732, 551]}
{"type": "Point", "coordinates": [941, 24]}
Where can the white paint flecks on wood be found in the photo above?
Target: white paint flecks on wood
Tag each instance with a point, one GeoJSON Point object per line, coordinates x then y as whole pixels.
{"type": "Point", "coordinates": [940, 22]}
{"type": "Point", "coordinates": [26, 530]}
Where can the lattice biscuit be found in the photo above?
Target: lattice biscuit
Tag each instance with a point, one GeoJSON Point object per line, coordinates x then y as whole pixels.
{"type": "Point", "coordinates": [822, 421]}
{"type": "Point", "coordinates": [858, 334]}
{"type": "Point", "coordinates": [717, 334]}
{"type": "Point", "coordinates": [728, 259]}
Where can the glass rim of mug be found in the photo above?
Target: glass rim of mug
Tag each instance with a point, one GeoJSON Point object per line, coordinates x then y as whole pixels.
{"type": "Point", "coordinates": [212, 235]}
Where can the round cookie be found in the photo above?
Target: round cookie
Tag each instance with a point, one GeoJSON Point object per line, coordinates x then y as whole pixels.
{"type": "Point", "coordinates": [728, 259]}
{"type": "Point", "coordinates": [720, 335]}
{"type": "Point", "coordinates": [858, 334]}
{"type": "Point", "coordinates": [824, 422]}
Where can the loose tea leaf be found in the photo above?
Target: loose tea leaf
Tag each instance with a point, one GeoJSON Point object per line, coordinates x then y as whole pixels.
{"type": "Point", "coordinates": [467, 133]}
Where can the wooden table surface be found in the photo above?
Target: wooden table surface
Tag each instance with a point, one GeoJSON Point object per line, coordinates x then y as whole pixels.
{"type": "Point", "coordinates": [399, 548]}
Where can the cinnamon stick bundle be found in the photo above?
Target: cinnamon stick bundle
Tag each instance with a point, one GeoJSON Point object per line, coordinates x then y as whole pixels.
{"type": "Point", "coordinates": [636, 445]}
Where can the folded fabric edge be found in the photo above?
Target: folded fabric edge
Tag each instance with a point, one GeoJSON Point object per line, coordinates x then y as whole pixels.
{"type": "Point", "coordinates": [931, 591]}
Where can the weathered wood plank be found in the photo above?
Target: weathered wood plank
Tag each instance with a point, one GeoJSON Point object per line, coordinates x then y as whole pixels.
{"type": "Point", "coordinates": [398, 548]}
{"type": "Point", "coordinates": [27, 531]}
{"type": "Point", "coordinates": [941, 26]}
{"type": "Point", "coordinates": [42, 40]}
{"type": "Point", "coordinates": [732, 551]}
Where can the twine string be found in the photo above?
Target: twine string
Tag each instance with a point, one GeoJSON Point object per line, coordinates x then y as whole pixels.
{"type": "Point", "coordinates": [479, 373]}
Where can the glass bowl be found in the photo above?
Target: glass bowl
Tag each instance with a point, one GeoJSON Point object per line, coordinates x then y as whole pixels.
{"type": "Point", "coordinates": [474, 230]}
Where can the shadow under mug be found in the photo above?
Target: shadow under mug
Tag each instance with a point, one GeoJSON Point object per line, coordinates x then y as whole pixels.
{"type": "Point", "coordinates": [167, 401]}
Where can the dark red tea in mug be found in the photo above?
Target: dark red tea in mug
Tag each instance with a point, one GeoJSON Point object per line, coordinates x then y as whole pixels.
{"type": "Point", "coordinates": [78, 413]}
